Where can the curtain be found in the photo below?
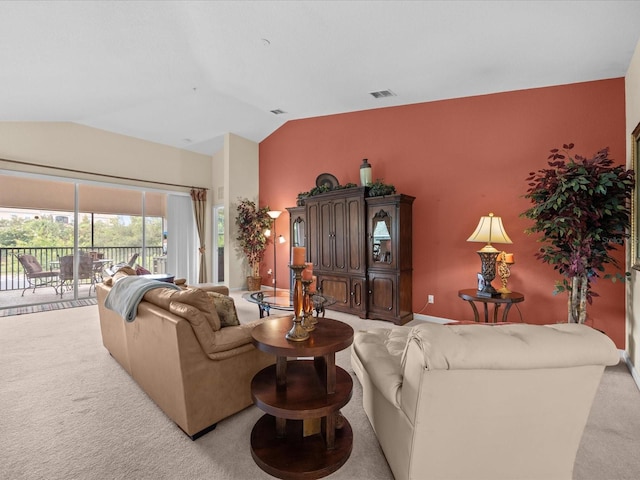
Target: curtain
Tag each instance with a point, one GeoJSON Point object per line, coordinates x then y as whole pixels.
{"type": "Point", "coordinates": [181, 239]}
{"type": "Point", "coordinates": [199, 199]}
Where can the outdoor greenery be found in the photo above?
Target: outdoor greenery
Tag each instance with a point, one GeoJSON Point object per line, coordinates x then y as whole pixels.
{"type": "Point", "coordinates": [117, 231]}
{"type": "Point", "coordinates": [582, 208]}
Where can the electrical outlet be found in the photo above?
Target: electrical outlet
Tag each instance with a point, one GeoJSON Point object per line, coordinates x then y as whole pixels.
{"type": "Point", "coordinates": [430, 299]}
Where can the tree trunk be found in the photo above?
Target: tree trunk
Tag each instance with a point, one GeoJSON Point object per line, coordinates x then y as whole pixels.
{"type": "Point", "coordinates": [255, 269]}
{"type": "Point", "coordinates": [578, 299]}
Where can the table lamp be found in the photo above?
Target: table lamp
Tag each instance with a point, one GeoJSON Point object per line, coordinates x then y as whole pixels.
{"type": "Point", "coordinates": [489, 229]}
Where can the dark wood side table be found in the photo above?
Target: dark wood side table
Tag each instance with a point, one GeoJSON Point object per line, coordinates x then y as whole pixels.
{"type": "Point", "coordinates": [302, 434]}
{"type": "Point", "coordinates": [507, 299]}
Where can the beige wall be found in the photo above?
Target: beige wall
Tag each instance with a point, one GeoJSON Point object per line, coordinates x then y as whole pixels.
{"type": "Point", "coordinates": [218, 179]}
{"type": "Point", "coordinates": [241, 170]}
{"type": "Point", "coordinates": [76, 147]}
{"type": "Point", "coordinates": [632, 91]}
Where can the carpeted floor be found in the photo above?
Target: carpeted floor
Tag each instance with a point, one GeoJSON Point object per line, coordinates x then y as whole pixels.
{"type": "Point", "coordinates": [69, 411]}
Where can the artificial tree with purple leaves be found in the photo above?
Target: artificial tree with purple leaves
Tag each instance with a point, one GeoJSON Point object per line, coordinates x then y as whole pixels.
{"type": "Point", "coordinates": [582, 208]}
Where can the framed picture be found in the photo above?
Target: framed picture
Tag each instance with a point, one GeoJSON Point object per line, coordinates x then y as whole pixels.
{"type": "Point", "coordinates": [635, 204]}
{"type": "Point", "coordinates": [481, 283]}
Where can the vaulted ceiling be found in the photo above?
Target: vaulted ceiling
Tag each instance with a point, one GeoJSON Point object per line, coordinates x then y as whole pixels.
{"type": "Point", "coordinates": [183, 73]}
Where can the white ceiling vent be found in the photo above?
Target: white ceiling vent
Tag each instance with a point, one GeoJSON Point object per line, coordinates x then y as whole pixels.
{"type": "Point", "coordinates": [382, 94]}
{"type": "Point", "coordinates": [277, 111]}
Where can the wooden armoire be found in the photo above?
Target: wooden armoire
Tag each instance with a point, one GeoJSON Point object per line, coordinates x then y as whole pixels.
{"type": "Point", "coordinates": [361, 250]}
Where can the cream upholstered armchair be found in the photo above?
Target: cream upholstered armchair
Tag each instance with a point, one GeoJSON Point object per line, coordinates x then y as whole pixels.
{"type": "Point", "coordinates": [478, 401]}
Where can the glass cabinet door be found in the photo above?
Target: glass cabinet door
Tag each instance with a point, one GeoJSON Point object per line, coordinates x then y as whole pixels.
{"type": "Point", "coordinates": [381, 239]}
{"type": "Point", "coordinates": [298, 233]}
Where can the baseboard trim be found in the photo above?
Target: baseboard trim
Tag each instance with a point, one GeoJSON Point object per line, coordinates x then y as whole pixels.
{"type": "Point", "coordinates": [429, 318]}
{"type": "Point", "coordinates": [624, 356]}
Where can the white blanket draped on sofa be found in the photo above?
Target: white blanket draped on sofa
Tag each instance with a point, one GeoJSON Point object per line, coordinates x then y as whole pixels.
{"type": "Point", "coordinates": [127, 292]}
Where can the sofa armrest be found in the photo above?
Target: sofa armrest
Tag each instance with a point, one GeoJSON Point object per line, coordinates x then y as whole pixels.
{"type": "Point", "coordinates": [383, 367]}
{"type": "Point", "coordinates": [413, 368]}
{"type": "Point", "coordinates": [211, 287]}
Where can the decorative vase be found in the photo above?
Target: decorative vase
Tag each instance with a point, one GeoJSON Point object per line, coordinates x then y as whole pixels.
{"type": "Point", "coordinates": [365, 173]}
{"type": "Point", "coordinates": [254, 283]}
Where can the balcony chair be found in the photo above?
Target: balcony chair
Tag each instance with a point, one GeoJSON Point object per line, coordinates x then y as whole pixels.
{"type": "Point", "coordinates": [85, 271]}
{"type": "Point", "coordinates": [35, 275]}
{"type": "Point", "coordinates": [99, 265]}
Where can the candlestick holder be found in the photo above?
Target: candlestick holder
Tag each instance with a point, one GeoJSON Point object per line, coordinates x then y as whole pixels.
{"type": "Point", "coordinates": [504, 271]}
{"type": "Point", "coordinates": [297, 333]}
{"type": "Point", "coordinates": [309, 323]}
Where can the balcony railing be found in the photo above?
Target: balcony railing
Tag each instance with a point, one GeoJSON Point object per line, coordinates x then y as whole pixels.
{"type": "Point", "coordinates": [12, 274]}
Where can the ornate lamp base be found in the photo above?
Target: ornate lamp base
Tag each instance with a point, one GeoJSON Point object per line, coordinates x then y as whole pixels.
{"type": "Point", "coordinates": [488, 260]}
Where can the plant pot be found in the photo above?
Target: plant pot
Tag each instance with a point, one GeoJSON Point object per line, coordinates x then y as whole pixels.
{"type": "Point", "coordinates": [254, 283]}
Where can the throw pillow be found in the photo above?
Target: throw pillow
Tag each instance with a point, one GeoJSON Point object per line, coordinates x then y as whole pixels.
{"type": "Point", "coordinates": [141, 270]}
{"type": "Point", "coordinates": [226, 309]}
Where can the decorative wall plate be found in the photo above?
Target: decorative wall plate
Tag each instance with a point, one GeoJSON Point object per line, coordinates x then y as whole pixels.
{"type": "Point", "coordinates": [326, 179]}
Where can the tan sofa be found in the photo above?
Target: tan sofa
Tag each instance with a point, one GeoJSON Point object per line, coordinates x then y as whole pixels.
{"type": "Point", "coordinates": [197, 372]}
{"type": "Point", "coordinates": [480, 402]}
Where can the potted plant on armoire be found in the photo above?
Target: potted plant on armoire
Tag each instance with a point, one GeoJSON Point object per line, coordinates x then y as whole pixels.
{"type": "Point", "coordinates": [582, 208]}
{"type": "Point", "coordinates": [252, 222]}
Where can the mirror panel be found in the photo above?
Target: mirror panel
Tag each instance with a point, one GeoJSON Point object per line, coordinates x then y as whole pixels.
{"type": "Point", "coordinates": [381, 238]}
{"type": "Point", "coordinates": [299, 233]}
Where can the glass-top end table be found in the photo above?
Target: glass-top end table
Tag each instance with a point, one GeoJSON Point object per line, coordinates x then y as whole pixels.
{"type": "Point", "coordinates": [283, 300]}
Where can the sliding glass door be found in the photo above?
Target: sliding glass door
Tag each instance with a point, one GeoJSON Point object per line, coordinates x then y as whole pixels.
{"type": "Point", "coordinates": [73, 231]}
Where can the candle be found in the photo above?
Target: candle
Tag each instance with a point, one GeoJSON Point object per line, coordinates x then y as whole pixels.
{"type": "Point", "coordinates": [299, 255]}
{"type": "Point", "coordinates": [508, 258]}
{"type": "Point", "coordinates": [313, 285]}
{"type": "Point", "coordinates": [307, 273]}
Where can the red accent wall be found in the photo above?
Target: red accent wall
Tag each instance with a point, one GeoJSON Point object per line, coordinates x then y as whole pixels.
{"type": "Point", "coordinates": [461, 159]}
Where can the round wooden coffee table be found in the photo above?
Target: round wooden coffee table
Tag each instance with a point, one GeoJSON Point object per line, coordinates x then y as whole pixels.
{"type": "Point", "coordinates": [302, 434]}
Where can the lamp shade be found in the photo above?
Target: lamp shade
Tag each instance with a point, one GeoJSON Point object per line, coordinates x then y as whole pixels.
{"type": "Point", "coordinates": [274, 213]}
{"type": "Point", "coordinates": [489, 230]}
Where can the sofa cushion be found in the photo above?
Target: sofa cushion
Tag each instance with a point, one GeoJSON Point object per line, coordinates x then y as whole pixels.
{"type": "Point", "coordinates": [226, 309]}
{"type": "Point", "coordinates": [163, 297]}
{"type": "Point", "coordinates": [123, 271]}
{"type": "Point", "coordinates": [217, 345]}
